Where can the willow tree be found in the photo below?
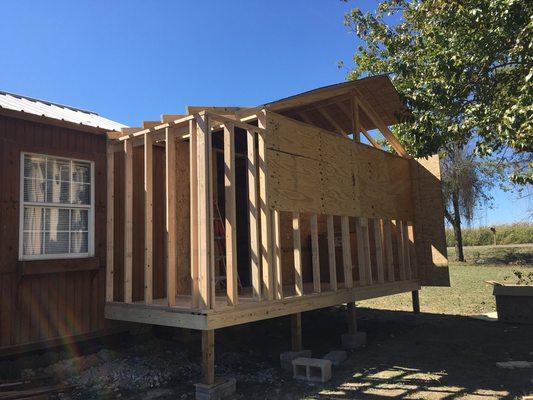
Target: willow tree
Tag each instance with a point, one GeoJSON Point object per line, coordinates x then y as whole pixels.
{"type": "Point", "coordinates": [464, 69]}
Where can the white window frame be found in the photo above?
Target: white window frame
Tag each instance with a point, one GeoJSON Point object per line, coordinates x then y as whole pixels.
{"type": "Point", "coordinates": [90, 239]}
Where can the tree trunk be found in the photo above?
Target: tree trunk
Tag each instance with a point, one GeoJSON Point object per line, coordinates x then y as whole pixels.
{"type": "Point", "coordinates": [459, 255]}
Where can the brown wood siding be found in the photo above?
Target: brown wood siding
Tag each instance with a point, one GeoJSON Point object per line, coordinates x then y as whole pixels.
{"type": "Point", "coordinates": [40, 307]}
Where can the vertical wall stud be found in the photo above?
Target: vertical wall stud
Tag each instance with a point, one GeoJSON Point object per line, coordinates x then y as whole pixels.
{"type": "Point", "coordinates": [315, 255]}
{"type": "Point", "coordinates": [193, 171]}
{"type": "Point", "coordinates": [110, 208]}
{"type": "Point", "coordinates": [171, 215]}
{"type": "Point", "coordinates": [230, 214]}
{"type": "Point", "coordinates": [346, 252]}
{"type": "Point", "coordinates": [277, 254]}
{"type": "Point", "coordinates": [148, 215]}
{"type": "Point", "coordinates": [128, 220]}
{"type": "Point", "coordinates": [253, 214]}
{"type": "Point", "coordinates": [298, 277]}
{"type": "Point", "coordinates": [331, 254]}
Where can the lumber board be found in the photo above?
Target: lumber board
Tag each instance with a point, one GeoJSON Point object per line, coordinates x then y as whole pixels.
{"type": "Point", "coordinates": [170, 193]}
{"type": "Point", "coordinates": [110, 224]}
{"type": "Point", "coordinates": [253, 214]}
{"type": "Point", "coordinates": [331, 253]}
{"type": "Point", "coordinates": [193, 173]}
{"type": "Point", "coordinates": [230, 214]}
{"type": "Point", "coordinates": [378, 245]}
{"type": "Point", "coordinates": [346, 252]}
{"type": "Point", "coordinates": [128, 220]}
{"type": "Point", "coordinates": [387, 245]}
{"type": "Point", "coordinates": [298, 272]}
{"type": "Point", "coordinates": [148, 218]}
{"type": "Point", "coordinates": [315, 254]}
{"type": "Point", "coordinates": [276, 226]}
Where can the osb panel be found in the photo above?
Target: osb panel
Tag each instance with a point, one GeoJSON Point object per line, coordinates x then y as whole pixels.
{"type": "Point", "coordinates": [430, 240]}
{"type": "Point", "coordinates": [312, 170]}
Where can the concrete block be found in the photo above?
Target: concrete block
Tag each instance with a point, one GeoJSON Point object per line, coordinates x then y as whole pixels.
{"type": "Point", "coordinates": [286, 358]}
{"type": "Point", "coordinates": [311, 369]}
{"type": "Point", "coordinates": [219, 390]}
{"type": "Point", "coordinates": [336, 357]}
{"type": "Point", "coordinates": [355, 341]}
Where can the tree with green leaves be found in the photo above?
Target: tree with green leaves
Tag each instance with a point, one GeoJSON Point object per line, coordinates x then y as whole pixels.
{"type": "Point", "coordinates": [465, 69]}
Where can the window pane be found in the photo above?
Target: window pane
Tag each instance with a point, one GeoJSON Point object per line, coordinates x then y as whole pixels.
{"type": "Point", "coordinates": [34, 167]}
{"type": "Point", "coordinates": [57, 169]}
{"type": "Point", "coordinates": [81, 172]}
{"type": "Point", "coordinates": [33, 219]}
{"type": "Point", "coordinates": [32, 243]}
{"type": "Point", "coordinates": [34, 190]}
{"type": "Point", "coordinates": [56, 219]}
{"type": "Point", "coordinates": [79, 220]}
{"type": "Point", "coordinates": [81, 193]}
{"type": "Point", "coordinates": [56, 242]}
{"type": "Point", "coordinates": [79, 242]}
{"type": "Point", "coordinates": [57, 192]}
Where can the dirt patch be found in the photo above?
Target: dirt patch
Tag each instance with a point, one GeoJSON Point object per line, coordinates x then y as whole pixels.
{"type": "Point", "coordinates": [427, 356]}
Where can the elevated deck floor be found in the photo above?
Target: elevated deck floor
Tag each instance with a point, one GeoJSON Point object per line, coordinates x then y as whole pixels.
{"type": "Point", "coordinates": [248, 309]}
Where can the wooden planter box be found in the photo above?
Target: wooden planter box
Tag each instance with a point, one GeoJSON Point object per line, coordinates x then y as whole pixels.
{"type": "Point", "coordinates": [514, 303]}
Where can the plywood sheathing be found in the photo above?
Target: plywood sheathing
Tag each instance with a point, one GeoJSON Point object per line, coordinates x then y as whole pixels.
{"type": "Point", "coordinates": [311, 170]}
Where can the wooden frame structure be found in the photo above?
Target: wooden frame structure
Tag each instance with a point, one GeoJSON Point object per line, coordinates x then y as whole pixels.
{"type": "Point", "coordinates": [328, 220]}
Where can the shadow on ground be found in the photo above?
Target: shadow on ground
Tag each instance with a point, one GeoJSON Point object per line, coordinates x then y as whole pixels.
{"type": "Point", "coordinates": [426, 356]}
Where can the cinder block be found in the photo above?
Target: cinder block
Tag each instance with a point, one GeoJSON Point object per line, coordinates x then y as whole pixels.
{"type": "Point", "coordinates": [311, 369]}
{"type": "Point", "coordinates": [354, 341]}
{"type": "Point", "coordinates": [336, 357]}
{"type": "Point", "coordinates": [286, 358]}
{"type": "Point", "coordinates": [217, 391]}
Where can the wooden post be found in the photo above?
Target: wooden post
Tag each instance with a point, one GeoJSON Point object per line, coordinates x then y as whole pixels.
{"type": "Point", "coordinates": [361, 260]}
{"type": "Point", "coordinates": [171, 215]}
{"type": "Point", "coordinates": [208, 357]}
{"type": "Point", "coordinates": [231, 220]}
{"type": "Point", "coordinates": [298, 277]}
{"type": "Point", "coordinates": [253, 215]}
{"type": "Point", "coordinates": [193, 173]}
{"type": "Point", "coordinates": [387, 244]}
{"type": "Point", "coordinates": [331, 254]}
{"type": "Point", "coordinates": [203, 143]}
{"type": "Point", "coordinates": [346, 252]}
{"type": "Point", "coordinates": [265, 217]}
{"type": "Point", "coordinates": [128, 220]}
{"type": "Point", "coordinates": [366, 251]}
{"type": "Point", "coordinates": [399, 245]}
{"type": "Point", "coordinates": [406, 250]}
{"type": "Point", "coordinates": [351, 318]}
{"type": "Point", "coordinates": [296, 332]}
{"type": "Point", "coordinates": [110, 209]}
{"type": "Point", "coordinates": [412, 251]}
{"type": "Point", "coordinates": [315, 254]}
{"type": "Point", "coordinates": [416, 301]}
{"type": "Point", "coordinates": [148, 218]}
{"type": "Point", "coordinates": [277, 254]}
{"type": "Point", "coordinates": [379, 249]}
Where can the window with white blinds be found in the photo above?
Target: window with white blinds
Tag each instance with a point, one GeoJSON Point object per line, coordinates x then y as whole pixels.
{"type": "Point", "coordinates": [57, 213]}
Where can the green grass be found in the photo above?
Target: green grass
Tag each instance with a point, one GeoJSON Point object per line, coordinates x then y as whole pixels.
{"type": "Point", "coordinates": [468, 294]}
{"type": "Point", "coordinates": [518, 233]}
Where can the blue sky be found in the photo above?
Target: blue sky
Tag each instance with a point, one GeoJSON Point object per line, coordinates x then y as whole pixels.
{"type": "Point", "coordinates": [134, 60]}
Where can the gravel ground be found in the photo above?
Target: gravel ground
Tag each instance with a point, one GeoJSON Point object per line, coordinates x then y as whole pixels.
{"type": "Point", "coordinates": [429, 356]}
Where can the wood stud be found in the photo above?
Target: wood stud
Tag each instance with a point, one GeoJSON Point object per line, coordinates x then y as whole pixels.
{"type": "Point", "coordinates": [148, 218]}
{"type": "Point", "coordinates": [128, 220]}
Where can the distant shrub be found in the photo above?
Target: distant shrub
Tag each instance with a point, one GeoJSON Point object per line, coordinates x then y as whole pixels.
{"type": "Point", "coordinates": [518, 233]}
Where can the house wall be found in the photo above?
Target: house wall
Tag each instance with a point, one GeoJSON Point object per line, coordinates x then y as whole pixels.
{"type": "Point", "coordinates": [49, 299]}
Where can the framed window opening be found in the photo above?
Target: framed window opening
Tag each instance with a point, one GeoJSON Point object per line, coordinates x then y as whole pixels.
{"type": "Point", "coordinates": [56, 207]}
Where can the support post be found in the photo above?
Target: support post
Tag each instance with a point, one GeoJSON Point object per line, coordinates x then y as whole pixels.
{"type": "Point", "coordinates": [416, 301]}
{"type": "Point", "coordinates": [351, 318]}
{"type": "Point", "coordinates": [296, 332]}
{"type": "Point", "coordinates": [208, 357]}
{"type": "Point", "coordinates": [277, 254]}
